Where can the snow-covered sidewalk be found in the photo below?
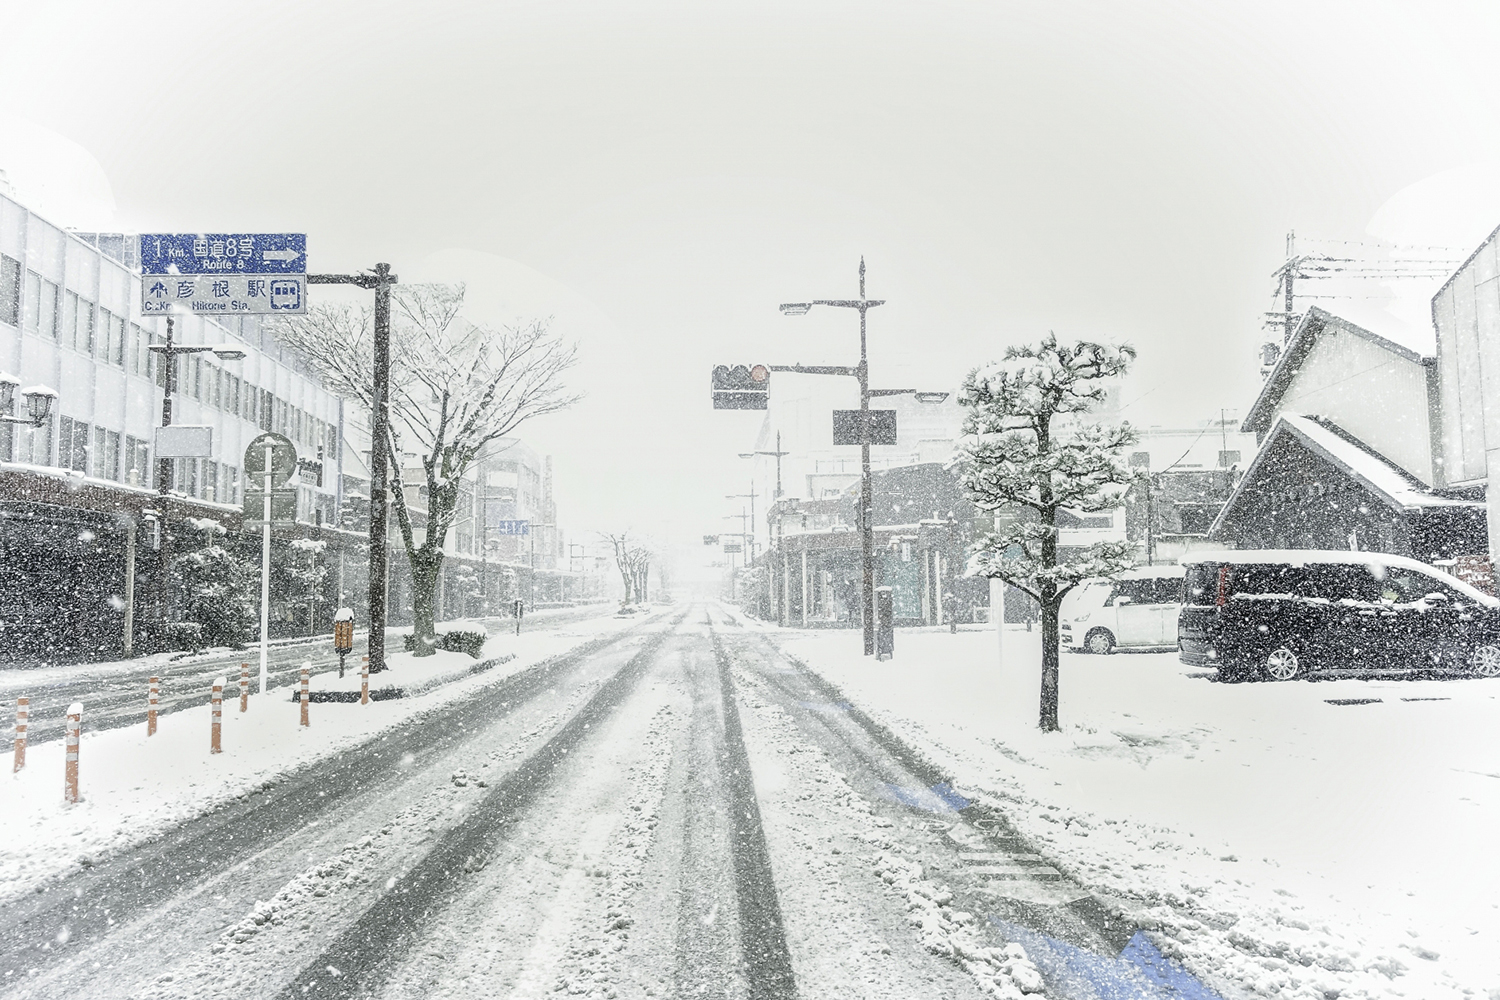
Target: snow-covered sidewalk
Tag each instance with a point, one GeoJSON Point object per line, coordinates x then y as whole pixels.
{"type": "Point", "coordinates": [1296, 840]}
{"type": "Point", "coordinates": [134, 787]}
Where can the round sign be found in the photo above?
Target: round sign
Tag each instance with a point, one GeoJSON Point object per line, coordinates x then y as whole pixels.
{"type": "Point", "coordinates": [283, 461]}
{"type": "Point", "coordinates": [759, 373]}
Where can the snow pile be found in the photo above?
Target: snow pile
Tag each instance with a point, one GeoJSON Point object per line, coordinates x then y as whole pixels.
{"type": "Point", "coordinates": [1003, 972]}
{"type": "Point", "coordinates": [1271, 841]}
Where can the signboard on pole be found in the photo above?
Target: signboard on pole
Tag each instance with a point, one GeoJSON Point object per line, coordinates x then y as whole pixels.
{"type": "Point", "coordinates": [511, 528]}
{"type": "Point", "coordinates": [283, 506]}
{"type": "Point", "coordinates": [733, 547]}
{"type": "Point", "coordinates": [882, 426]}
{"type": "Point", "coordinates": [184, 441]}
{"type": "Point", "coordinates": [224, 273]}
{"type": "Point", "coordinates": [283, 460]}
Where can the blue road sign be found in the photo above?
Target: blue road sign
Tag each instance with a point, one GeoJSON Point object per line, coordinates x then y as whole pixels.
{"type": "Point", "coordinates": [512, 527]}
{"type": "Point", "coordinates": [224, 253]}
{"type": "Point", "coordinates": [219, 294]}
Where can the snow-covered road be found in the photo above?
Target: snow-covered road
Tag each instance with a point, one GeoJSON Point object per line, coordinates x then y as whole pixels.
{"type": "Point", "coordinates": [671, 810]}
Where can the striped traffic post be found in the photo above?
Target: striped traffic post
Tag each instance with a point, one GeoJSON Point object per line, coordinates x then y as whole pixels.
{"type": "Point", "coordinates": [304, 697]}
{"type": "Point", "coordinates": [217, 702]}
{"type": "Point", "coordinates": [70, 766]}
{"type": "Point", "coordinates": [23, 709]}
{"type": "Point", "coordinates": [364, 680]}
{"type": "Point", "coordinates": [151, 706]}
{"type": "Point", "coordinates": [244, 687]}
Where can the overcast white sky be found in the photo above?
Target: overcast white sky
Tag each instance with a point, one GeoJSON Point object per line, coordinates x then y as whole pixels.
{"type": "Point", "coordinates": [659, 176]}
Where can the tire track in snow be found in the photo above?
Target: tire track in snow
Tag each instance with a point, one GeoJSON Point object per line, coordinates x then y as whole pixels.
{"type": "Point", "coordinates": [214, 867]}
{"type": "Point", "coordinates": [361, 958]}
{"type": "Point", "coordinates": [762, 935]}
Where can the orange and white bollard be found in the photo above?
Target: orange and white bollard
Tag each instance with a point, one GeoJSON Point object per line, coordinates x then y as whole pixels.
{"type": "Point", "coordinates": [151, 706]}
{"type": "Point", "coordinates": [23, 710]}
{"type": "Point", "coordinates": [244, 687]}
{"type": "Point", "coordinates": [364, 680]}
{"type": "Point", "coordinates": [218, 716]}
{"type": "Point", "coordinates": [70, 766]}
{"type": "Point", "coordinates": [304, 697]}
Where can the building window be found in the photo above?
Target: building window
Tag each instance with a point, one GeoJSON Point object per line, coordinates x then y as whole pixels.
{"type": "Point", "coordinates": [46, 309]}
{"type": "Point", "coordinates": [267, 409]}
{"type": "Point", "coordinates": [106, 454]}
{"type": "Point", "coordinates": [117, 341]}
{"type": "Point", "coordinates": [210, 480]}
{"type": "Point", "coordinates": [10, 291]}
{"type": "Point", "coordinates": [137, 455]}
{"type": "Point", "coordinates": [36, 447]}
{"type": "Point", "coordinates": [138, 352]}
{"type": "Point", "coordinates": [73, 445]}
{"type": "Point", "coordinates": [84, 337]}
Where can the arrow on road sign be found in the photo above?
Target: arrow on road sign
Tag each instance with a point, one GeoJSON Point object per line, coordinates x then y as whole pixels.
{"type": "Point", "coordinates": [279, 255]}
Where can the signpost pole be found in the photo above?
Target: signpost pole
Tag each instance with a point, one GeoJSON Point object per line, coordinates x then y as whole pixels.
{"type": "Point", "coordinates": [265, 574]}
{"type": "Point", "coordinates": [379, 424]}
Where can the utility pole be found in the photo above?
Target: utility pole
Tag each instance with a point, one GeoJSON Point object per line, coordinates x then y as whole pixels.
{"type": "Point", "coordinates": [380, 281]}
{"type": "Point", "coordinates": [1288, 278]}
{"type": "Point", "coordinates": [168, 353]}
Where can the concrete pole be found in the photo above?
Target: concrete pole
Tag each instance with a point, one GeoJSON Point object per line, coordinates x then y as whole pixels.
{"type": "Point", "coordinates": [265, 576]}
{"type": "Point", "coordinates": [130, 587]}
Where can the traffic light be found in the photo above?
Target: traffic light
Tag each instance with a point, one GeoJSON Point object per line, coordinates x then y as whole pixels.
{"type": "Point", "coordinates": [741, 387]}
{"type": "Point", "coordinates": [710, 539]}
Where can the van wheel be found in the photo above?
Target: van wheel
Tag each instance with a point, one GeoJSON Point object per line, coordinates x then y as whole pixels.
{"type": "Point", "coordinates": [1099, 641]}
{"type": "Point", "coordinates": [1485, 660]}
{"type": "Point", "coordinates": [1281, 664]}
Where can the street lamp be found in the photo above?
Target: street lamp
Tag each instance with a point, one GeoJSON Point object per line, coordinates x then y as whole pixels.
{"type": "Point", "coordinates": [38, 401]}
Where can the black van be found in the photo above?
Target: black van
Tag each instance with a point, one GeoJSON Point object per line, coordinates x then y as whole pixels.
{"type": "Point", "coordinates": [1283, 614]}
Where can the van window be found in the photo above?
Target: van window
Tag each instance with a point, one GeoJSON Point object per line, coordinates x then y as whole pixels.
{"type": "Point", "coordinates": [1340, 582]}
{"type": "Point", "coordinates": [1405, 586]}
{"type": "Point", "coordinates": [1200, 585]}
{"type": "Point", "coordinates": [1129, 592]}
{"type": "Point", "coordinates": [1166, 590]}
{"type": "Point", "coordinates": [1270, 578]}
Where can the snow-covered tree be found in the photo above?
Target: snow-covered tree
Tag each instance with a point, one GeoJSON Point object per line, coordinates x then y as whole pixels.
{"type": "Point", "coordinates": [456, 386]}
{"type": "Point", "coordinates": [633, 560]}
{"type": "Point", "coordinates": [1019, 460]}
{"type": "Point", "coordinates": [220, 590]}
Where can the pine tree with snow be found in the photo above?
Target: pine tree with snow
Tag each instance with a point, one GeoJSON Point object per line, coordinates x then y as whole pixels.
{"type": "Point", "coordinates": [1028, 453]}
{"type": "Point", "coordinates": [219, 587]}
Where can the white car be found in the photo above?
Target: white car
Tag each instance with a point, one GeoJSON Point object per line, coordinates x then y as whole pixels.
{"type": "Point", "coordinates": [1136, 611]}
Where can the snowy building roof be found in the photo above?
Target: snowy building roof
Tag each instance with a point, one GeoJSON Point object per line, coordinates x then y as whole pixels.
{"type": "Point", "coordinates": [1365, 464]}
{"type": "Point", "coordinates": [1397, 487]}
{"type": "Point", "coordinates": [1396, 337]}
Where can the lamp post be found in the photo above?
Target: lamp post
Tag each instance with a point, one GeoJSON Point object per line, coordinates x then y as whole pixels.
{"type": "Point", "coordinates": [169, 352]}
{"type": "Point", "coordinates": [38, 402]}
{"type": "Point", "coordinates": [866, 494]}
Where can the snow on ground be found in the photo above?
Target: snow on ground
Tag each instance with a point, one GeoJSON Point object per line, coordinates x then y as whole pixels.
{"type": "Point", "coordinates": [133, 787]}
{"type": "Point", "coordinates": [1280, 845]}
